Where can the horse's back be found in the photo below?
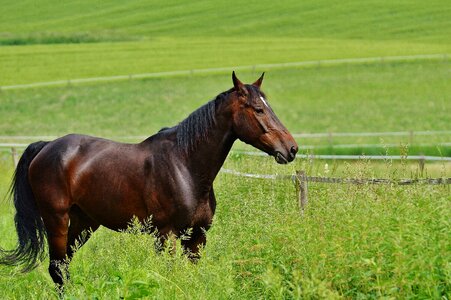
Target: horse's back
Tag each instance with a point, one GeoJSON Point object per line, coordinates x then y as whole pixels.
{"type": "Point", "coordinates": [93, 173]}
{"type": "Point", "coordinates": [62, 153]}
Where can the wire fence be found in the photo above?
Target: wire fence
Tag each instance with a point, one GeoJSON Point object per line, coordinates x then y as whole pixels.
{"type": "Point", "coordinates": [355, 157]}
{"type": "Point", "coordinates": [301, 181]}
{"type": "Point", "coordinates": [373, 134]}
{"type": "Point", "coordinates": [13, 149]}
{"type": "Point", "coordinates": [410, 133]}
{"type": "Point", "coordinates": [18, 144]}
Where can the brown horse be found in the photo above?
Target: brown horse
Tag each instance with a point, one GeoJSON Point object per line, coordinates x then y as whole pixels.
{"type": "Point", "coordinates": [76, 183]}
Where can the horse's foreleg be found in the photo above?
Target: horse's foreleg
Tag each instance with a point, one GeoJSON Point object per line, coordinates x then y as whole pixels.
{"type": "Point", "coordinates": [166, 240]}
{"type": "Point", "coordinates": [193, 245]}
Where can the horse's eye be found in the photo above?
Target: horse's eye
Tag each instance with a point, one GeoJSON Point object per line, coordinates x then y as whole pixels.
{"type": "Point", "coordinates": [259, 110]}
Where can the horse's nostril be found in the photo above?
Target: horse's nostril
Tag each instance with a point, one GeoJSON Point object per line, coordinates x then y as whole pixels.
{"type": "Point", "coordinates": [293, 151]}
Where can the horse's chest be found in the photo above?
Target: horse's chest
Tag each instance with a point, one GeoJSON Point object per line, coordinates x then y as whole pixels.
{"type": "Point", "coordinates": [180, 202]}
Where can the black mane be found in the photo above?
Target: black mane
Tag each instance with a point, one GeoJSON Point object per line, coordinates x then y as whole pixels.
{"type": "Point", "coordinates": [195, 128]}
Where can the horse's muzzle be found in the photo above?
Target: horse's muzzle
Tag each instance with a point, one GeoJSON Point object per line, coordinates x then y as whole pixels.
{"type": "Point", "coordinates": [289, 157]}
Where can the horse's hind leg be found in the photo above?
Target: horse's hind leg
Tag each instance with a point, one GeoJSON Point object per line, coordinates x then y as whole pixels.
{"type": "Point", "coordinates": [64, 227]}
{"type": "Point", "coordinates": [56, 220]}
{"type": "Point", "coordinates": [80, 229]}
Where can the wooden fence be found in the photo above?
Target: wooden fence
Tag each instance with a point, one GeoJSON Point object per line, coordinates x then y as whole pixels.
{"type": "Point", "coordinates": [302, 181]}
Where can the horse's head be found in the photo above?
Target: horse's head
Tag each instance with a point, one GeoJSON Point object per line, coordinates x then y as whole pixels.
{"type": "Point", "coordinates": [255, 123]}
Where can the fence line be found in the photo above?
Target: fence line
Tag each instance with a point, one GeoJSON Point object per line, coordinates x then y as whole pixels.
{"type": "Point", "coordinates": [28, 137]}
{"type": "Point", "coordinates": [344, 146]}
{"type": "Point", "coordinates": [420, 158]}
{"type": "Point", "coordinates": [319, 179]}
{"type": "Point", "coordinates": [356, 157]}
{"type": "Point", "coordinates": [367, 134]}
{"type": "Point", "coordinates": [443, 56]}
{"type": "Point", "coordinates": [298, 135]}
{"type": "Point", "coordinates": [302, 147]}
{"type": "Point", "coordinates": [259, 176]}
{"type": "Point", "coordinates": [13, 147]}
{"type": "Point", "coordinates": [301, 180]}
{"type": "Point", "coordinates": [429, 181]}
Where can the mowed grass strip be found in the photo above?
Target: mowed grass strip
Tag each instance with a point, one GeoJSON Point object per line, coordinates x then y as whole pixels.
{"type": "Point", "coordinates": [372, 20]}
{"type": "Point", "coordinates": [116, 38]}
{"type": "Point", "coordinates": [42, 63]}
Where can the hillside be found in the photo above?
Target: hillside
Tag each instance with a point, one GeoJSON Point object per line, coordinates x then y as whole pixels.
{"type": "Point", "coordinates": [118, 38]}
{"type": "Point", "coordinates": [112, 20]}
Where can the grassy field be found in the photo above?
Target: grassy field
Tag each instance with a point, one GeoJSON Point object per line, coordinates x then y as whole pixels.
{"type": "Point", "coordinates": [380, 20]}
{"type": "Point", "coordinates": [352, 242]}
{"type": "Point", "coordinates": [348, 98]}
{"type": "Point", "coordinates": [116, 38]}
{"type": "Point", "coordinates": [40, 63]}
{"type": "Point", "coordinates": [360, 242]}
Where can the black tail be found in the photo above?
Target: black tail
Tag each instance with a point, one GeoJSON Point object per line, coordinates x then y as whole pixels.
{"type": "Point", "coordinates": [29, 226]}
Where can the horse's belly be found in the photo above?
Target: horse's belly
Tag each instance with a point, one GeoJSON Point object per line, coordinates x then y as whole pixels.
{"type": "Point", "coordinates": [114, 212]}
{"type": "Point", "coordinates": [113, 197]}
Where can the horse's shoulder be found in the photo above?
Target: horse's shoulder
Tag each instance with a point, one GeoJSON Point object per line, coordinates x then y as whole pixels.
{"type": "Point", "coordinates": [163, 140]}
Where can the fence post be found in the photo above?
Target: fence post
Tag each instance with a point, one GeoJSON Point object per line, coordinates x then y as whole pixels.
{"type": "Point", "coordinates": [330, 139]}
{"type": "Point", "coordinates": [411, 137]}
{"type": "Point", "coordinates": [15, 156]}
{"type": "Point", "coordinates": [303, 190]}
{"type": "Point", "coordinates": [421, 165]}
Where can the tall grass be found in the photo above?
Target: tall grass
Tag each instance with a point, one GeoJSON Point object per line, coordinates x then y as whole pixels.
{"type": "Point", "coordinates": [360, 242]}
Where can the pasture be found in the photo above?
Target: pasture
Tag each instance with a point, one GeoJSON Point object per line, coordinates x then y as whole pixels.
{"type": "Point", "coordinates": [352, 242]}
{"type": "Point", "coordinates": [79, 40]}
{"type": "Point", "coordinates": [345, 98]}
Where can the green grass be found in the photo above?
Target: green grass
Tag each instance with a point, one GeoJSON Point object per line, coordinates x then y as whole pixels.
{"type": "Point", "coordinates": [41, 63]}
{"type": "Point", "coordinates": [356, 242]}
{"type": "Point", "coordinates": [348, 98]}
{"type": "Point", "coordinates": [378, 20]}
{"type": "Point", "coordinates": [353, 241]}
{"type": "Point", "coordinates": [360, 242]}
{"type": "Point", "coordinates": [117, 38]}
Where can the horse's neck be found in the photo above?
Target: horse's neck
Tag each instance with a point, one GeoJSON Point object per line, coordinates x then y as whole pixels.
{"type": "Point", "coordinates": [209, 156]}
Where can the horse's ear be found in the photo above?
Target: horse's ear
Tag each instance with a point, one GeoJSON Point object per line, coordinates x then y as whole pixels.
{"type": "Point", "coordinates": [239, 86]}
{"type": "Point", "coordinates": [259, 81]}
